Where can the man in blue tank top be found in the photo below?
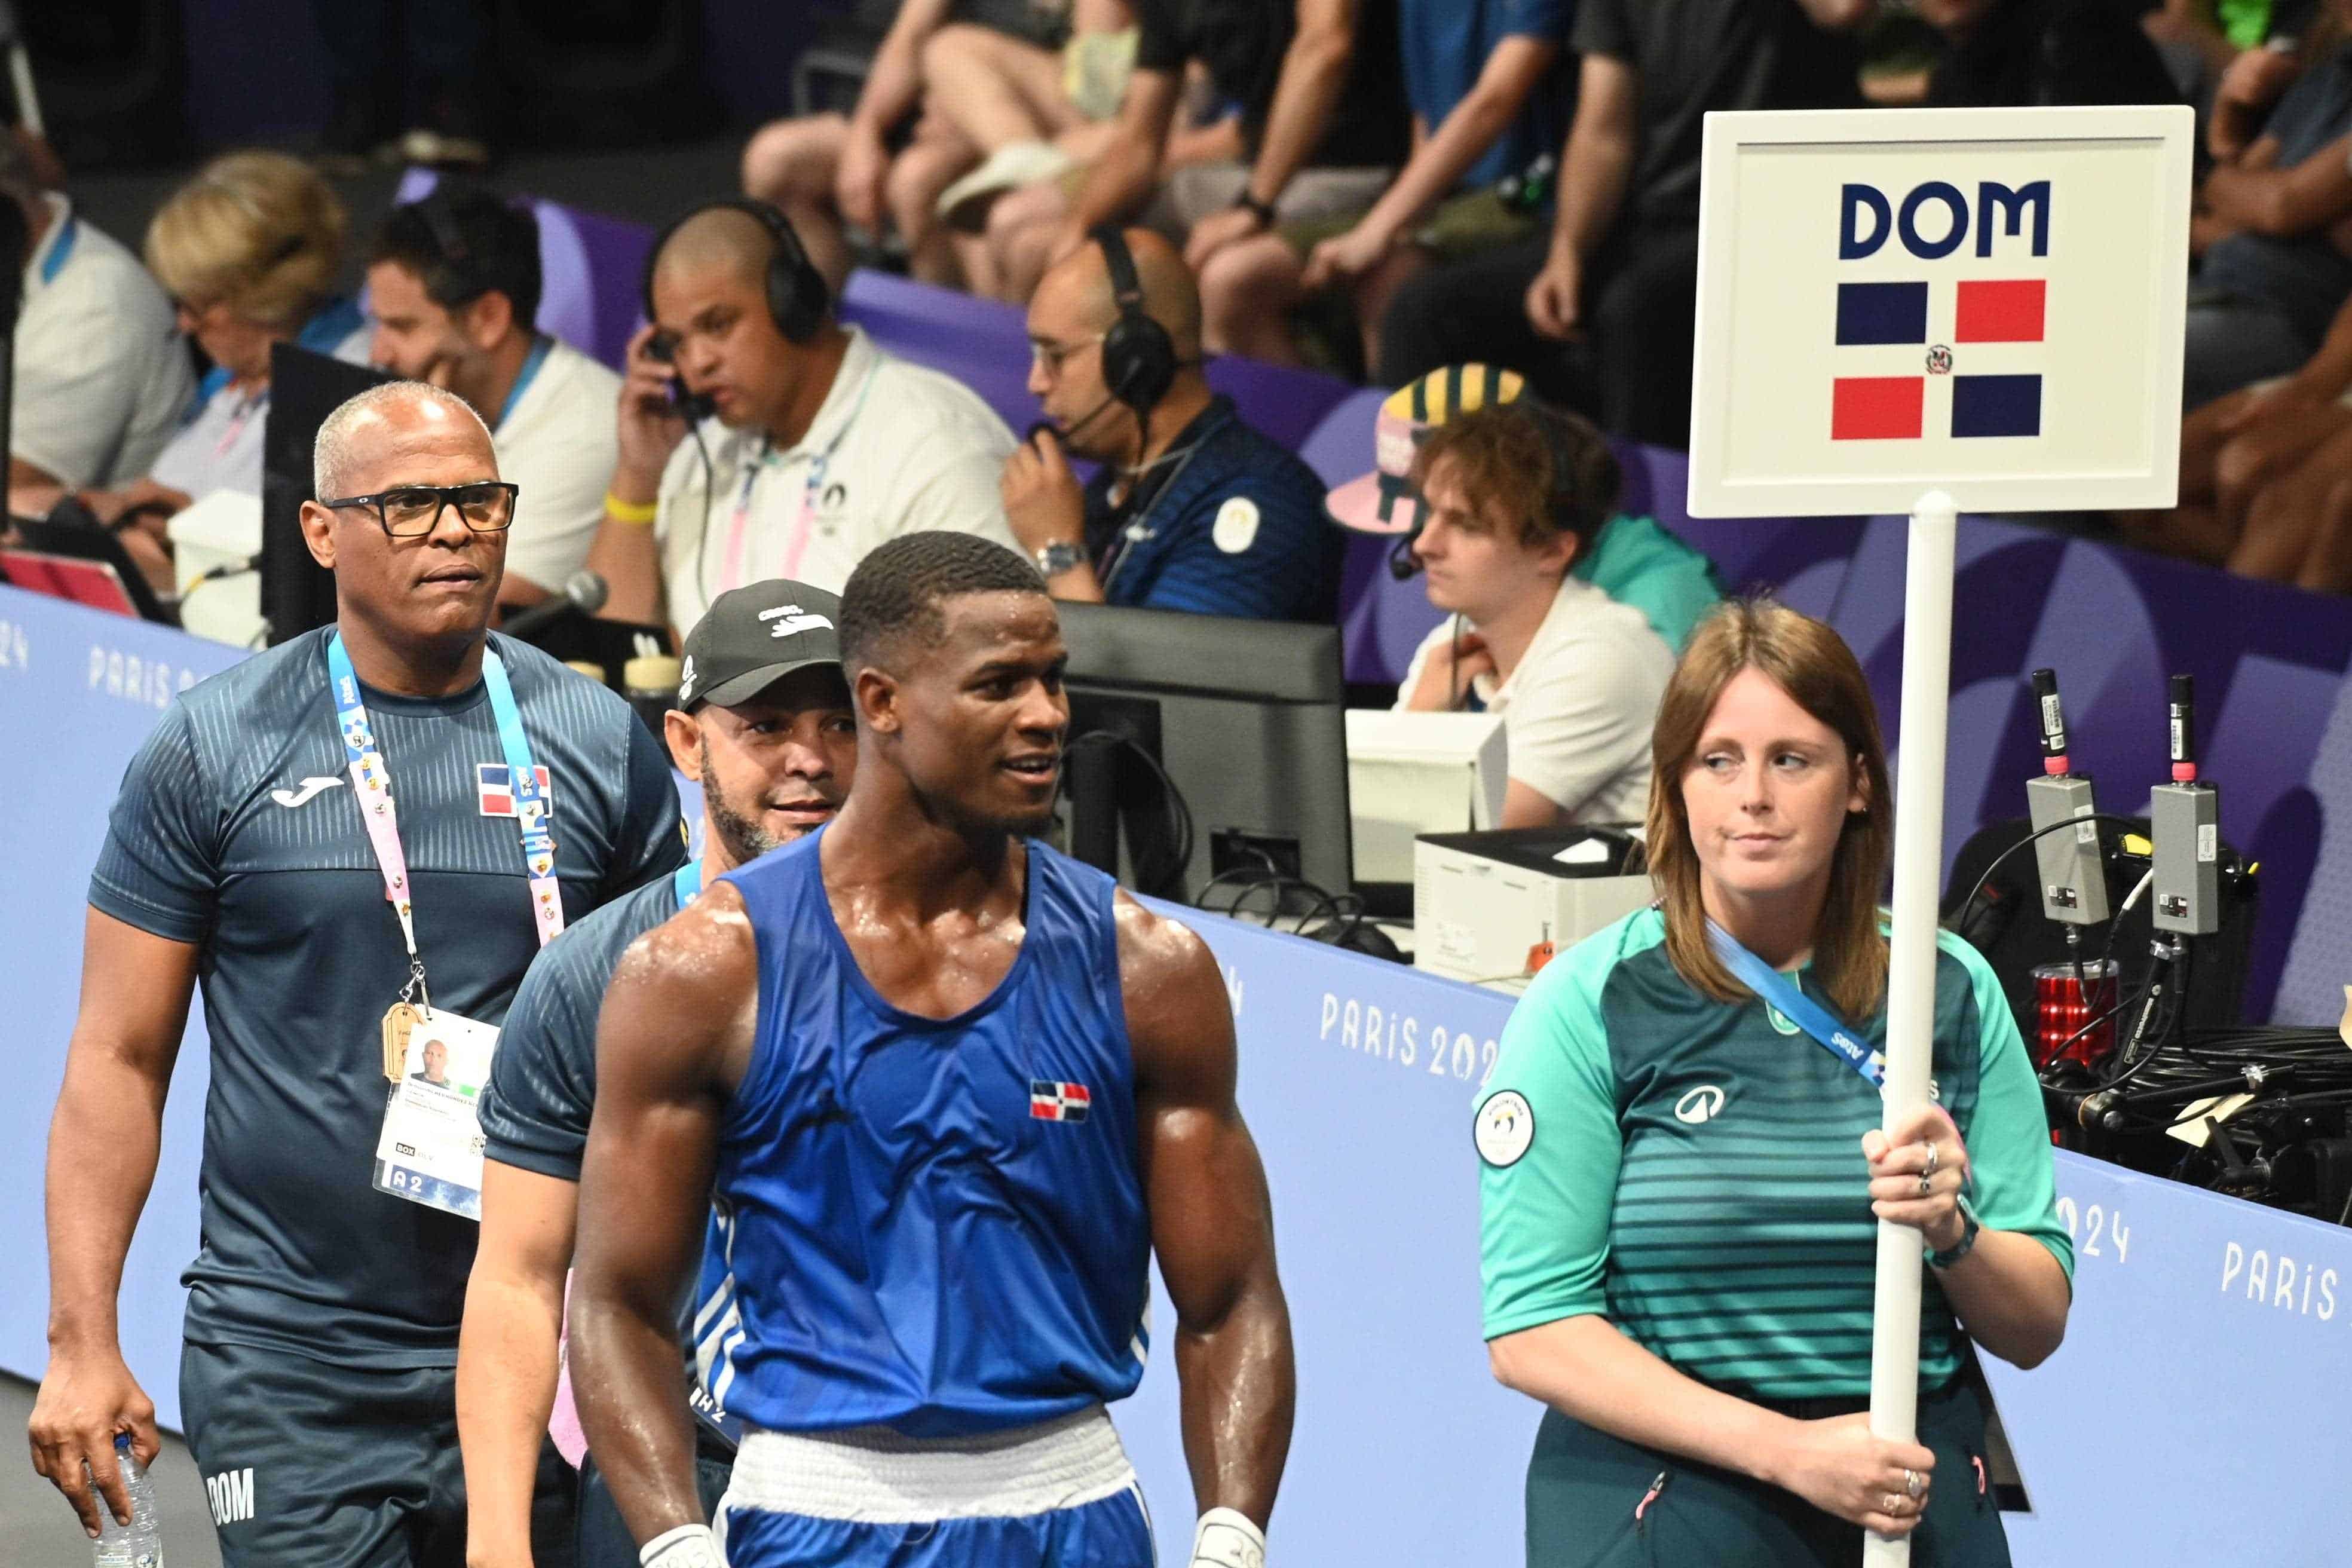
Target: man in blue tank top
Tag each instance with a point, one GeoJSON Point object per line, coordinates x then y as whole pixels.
{"type": "Point", "coordinates": [762, 720]}
{"type": "Point", "coordinates": [345, 842]}
{"type": "Point", "coordinates": [949, 1091]}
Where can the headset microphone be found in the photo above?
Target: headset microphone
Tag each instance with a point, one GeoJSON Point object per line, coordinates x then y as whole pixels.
{"type": "Point", "coordinates": [1066, 431]}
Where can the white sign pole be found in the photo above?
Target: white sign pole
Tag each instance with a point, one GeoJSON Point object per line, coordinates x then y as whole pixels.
{"type": "Point", "coordinates": [1911, 971]}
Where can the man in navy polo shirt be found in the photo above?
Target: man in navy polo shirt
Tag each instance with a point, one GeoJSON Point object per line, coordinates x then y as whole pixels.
{"type": "Point", "coordinates": [1191, 509]}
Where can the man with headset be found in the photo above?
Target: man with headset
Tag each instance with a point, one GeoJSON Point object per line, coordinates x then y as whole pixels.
{"type": "Point", "coordinates": [453, 289]}
{"type": "Point", "coordinates": [1192, 510]}
{"type": "Point", "coordinates": [809, 445]}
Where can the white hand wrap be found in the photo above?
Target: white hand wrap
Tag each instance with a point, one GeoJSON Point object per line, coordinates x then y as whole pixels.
{"type": "Point", "coordinates": [687, 1546]}
{"type": "Point", "coordinates": [1225, 1538]}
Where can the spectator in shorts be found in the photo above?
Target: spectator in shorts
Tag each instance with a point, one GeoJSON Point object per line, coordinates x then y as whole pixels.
{"type": "Point", "coordinates": [1315, 84]}
{"type": "Point", "coordinates": [1513, 496]}
{"type": "Point", "coordinates": [248, 251]}
{"type": "Point", "coordinates": [453, 285]}
{"type": "Point", "coordinates": [102, 378]}
{"type": "Point", "coordinates": [1599, 316]}
{"type": "Point", "coordinates": [831, 171]}
{"type": "Point", "coordinates": [1487, 92]}
{"type": "Point", "coordinates": [2273, 277]}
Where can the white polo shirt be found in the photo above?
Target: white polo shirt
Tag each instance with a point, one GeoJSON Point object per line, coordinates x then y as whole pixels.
{"type": "Point", "coordinates": [102, 374]}
{"type": "Point", "coordinates": [557, 438]}
{"type": "Point", "coordinates": [1578, 710]}
{"type": "Point", "coordinates": [896, 449]}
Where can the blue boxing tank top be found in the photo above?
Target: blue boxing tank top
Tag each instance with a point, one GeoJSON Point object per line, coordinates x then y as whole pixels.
{"type": "Point", "coordinates": [933, 1225]}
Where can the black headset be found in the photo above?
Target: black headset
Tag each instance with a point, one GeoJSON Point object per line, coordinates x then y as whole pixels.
{"type": "Point", "coordinates": [1139, 357]}
{"type": "Point", "coordinates": [798, 298]}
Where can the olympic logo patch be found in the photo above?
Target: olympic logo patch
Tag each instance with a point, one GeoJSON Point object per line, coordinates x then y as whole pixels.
{"type": "Point", "coordinates": [1506, 1128]}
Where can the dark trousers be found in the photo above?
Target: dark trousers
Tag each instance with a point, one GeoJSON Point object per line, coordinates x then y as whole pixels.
{"type": "Point", "coordinates": [1587, 1508]}
{"type": "Point", "coordinates": [313, 1464]}
{"type": "Point", "coordinates": [1632, 369]}
{"type": "Point", "coordinates": [604, 1539]}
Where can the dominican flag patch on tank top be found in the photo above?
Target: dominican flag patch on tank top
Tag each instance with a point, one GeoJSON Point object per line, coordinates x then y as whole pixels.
{"type": "Point", "coordinates": [1050, 1101]}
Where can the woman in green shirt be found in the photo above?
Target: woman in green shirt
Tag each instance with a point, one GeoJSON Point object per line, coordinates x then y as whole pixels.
{"type": "Point", "coordinates": [1681, 1187]}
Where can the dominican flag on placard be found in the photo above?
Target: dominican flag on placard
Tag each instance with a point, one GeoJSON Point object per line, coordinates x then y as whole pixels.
{"type": "Point", "coordinates": [1051, 1100]}
{"type": "Point", "coordinates": [1895, 407]}
{"type": "Point", "coordinates": [494, 788]}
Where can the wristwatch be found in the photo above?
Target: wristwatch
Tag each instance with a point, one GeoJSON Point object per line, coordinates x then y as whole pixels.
{"type": "Point", "coordinates": [1058, 557]}
{"type": "Point", "coordinates": [1962, 1248]}
{"type": "Point", "coordinates": [1261, 210]}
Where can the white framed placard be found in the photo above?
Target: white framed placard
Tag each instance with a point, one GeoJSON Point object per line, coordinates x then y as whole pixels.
{"type": "Point", "coordinates": [1984, 301]}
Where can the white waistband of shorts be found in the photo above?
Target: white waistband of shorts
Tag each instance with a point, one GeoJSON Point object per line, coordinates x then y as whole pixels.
{"type": "Point", "coordinates": [875, 1476]}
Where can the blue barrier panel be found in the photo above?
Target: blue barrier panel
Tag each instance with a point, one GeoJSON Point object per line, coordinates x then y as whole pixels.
{"type": "Point", "coordinates": [2189, 1413]}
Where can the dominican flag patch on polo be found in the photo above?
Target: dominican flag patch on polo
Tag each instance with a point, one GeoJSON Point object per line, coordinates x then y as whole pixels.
{"type": "Point", "coordinates": [1894, 407]}
{"type": "Point", "coordinates": [494, 788]}
{"type": "Point", "coordinates": [1051, 1100]}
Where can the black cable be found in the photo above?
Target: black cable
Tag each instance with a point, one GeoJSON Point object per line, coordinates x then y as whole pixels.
{"type": "Point", "coordinates": [1960, 914]}
{"type": "Point", "coordinates": [1175, 809]}
{"type": "Point", "coordinates": [709, 484]}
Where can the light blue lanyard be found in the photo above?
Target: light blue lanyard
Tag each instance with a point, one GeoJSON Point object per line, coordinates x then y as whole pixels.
{"type": "Point", "coordinates": [59, 251]}
{"type": "Point", "coordinates": [536, 358]}
{"type": "Point", "coordinates": [372, 780]}
{"type": "Point", "coordinates": [688, 882]}
{"type": "Point", "coordinates": [1779, 993]}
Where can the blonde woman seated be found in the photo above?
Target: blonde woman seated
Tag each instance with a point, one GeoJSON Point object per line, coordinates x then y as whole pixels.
{"type": "Point", "coordinates": [248, 251]}
{"type": "Point", "coordinates": [1681, 1185]}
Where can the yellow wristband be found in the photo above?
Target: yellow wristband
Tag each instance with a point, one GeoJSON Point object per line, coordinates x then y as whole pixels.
{"type": "Point", "coordinates": [637, 511]}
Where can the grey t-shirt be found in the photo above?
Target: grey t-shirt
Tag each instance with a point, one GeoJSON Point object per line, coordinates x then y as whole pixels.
{"type": "Point", "coordinates": [237, 830]}
{"type": "Point", "coordinates": [2306, 276]}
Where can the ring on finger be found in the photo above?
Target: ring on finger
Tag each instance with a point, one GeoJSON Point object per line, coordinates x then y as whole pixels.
{"type": "Point", "coordinates": [1935, 1155]}
{"type": "Point", "coordinates": [1914, 1485]}
{"type": "Point", "coordinates": [1926, 1183]}
{"type": "Point", "coordinates": [1891, 1504]}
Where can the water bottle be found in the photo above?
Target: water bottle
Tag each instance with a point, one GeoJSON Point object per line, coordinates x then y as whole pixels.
{"type": "Point", "coordinates": [140, 1544]}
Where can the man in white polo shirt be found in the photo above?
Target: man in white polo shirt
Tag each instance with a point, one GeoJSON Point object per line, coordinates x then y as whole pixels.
{"type": "Point", "coordinates": [453, 288]}
{"type": "Point", "coordinates": [103, 376]}
{"type": "Point", "coordinates": [812, 444]}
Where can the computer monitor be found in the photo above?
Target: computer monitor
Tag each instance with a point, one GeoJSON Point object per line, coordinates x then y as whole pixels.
{"type": "Point", "coordinates": [1411, 773]}
{"type": "Point", "coordinates": [1245, 720]}
{"type": "Point", "coordinates": [297, 593]}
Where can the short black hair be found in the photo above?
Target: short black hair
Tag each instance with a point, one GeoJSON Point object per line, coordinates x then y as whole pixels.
{"type": "Point", "coordinates": [897, 588]}
{"type": "Point", "coordinates": [463, 245]}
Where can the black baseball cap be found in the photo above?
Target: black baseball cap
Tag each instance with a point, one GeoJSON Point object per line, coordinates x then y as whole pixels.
{"type": "Point", "coordinates": [753, 636]}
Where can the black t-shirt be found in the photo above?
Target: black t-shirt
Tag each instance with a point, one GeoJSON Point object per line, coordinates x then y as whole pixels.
{"type": "Point", "coordinates": [1045, 23]}
{"type": "Point", "coordinates": [237, 830]}
{"type": "Point", "coordinates": [2032, 53]}
{"type": "Point", "coordinates": [1696, 56]}
{"type": "Point", "coordinates": [1242, 44]}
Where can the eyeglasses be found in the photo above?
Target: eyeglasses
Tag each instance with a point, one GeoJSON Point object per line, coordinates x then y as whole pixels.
{"type": "Point", "coordinates": [1050, 355]}
{"type": "Point", "coordinates": [413, 511]}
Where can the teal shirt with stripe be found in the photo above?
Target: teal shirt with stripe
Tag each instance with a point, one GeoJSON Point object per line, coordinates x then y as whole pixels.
{"type": "Point", "coordinates": [1643, 567]}
{"type": "Point", "coordinates": [1695, 1172]}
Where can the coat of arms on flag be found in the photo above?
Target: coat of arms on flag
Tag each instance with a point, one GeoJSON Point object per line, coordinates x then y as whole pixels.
{"type": "Point", "coordinates": [1894, 407]}
{"type": "Point", "coordinates": [1051, 1100]}
{"type": "Point", "coordinates": [494, 788]}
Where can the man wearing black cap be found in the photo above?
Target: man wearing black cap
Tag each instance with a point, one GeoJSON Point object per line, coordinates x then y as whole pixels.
{"type": "Point", "coordinates": [763, 720]}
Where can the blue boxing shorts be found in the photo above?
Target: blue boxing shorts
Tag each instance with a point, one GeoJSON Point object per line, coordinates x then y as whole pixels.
{"type": "Point", "coordinates": [1060, 1493]}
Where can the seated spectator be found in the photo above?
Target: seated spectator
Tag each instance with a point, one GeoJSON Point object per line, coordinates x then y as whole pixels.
{"type": "Point", "coordinates": [1191, 509]}
{"type": "Point", "coordinates": [453, 286]}
{"type": "Point", "coordinates": [2272, 277]}
{"type": "Point", "coordinates": [828, 171]}
{"type": "Point", "coordinates": [1033, 115]}
{"type": "Point", "coordinates": [1631, 559]}
{"type": "Point", "coordinates": [1514, 495]}
{"type": "Point", "coordinates": [1600, 315]}
{"type": "Point", "coordinates": [248, 251]}
{"type": "Point", "coordinates": [102, 378]}
{"type": "Point", "coordinates": [2017, 54]}
{"type": "Point", "coordinates": [810, 447]}
{"type": "Point", "coordinates": [1486, 95]}
{"type": "Point", "coordinates": [1315, 84]}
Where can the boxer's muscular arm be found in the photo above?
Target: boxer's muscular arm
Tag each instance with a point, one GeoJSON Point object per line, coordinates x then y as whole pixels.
{"type": "Point", "coordinates": [1211, 1223]}
{"type": "Point", "coordinates": [670, 1046]}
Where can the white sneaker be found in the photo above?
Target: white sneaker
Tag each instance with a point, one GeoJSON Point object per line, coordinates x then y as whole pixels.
{"type": "Point", "coordinates": [963, 207]}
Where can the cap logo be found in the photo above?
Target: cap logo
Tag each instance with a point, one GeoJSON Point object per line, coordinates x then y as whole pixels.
{"type": "Point", "coordinates": [686, 680]}
{"type": "Point", "coordinates": [793, 619]}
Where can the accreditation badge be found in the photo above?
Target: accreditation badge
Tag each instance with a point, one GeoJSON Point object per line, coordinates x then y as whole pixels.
{"type": "Point", "coordinates": [430, 1150]}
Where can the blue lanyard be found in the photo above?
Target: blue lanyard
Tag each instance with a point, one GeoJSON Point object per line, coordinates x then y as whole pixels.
{"type": "Point", "coordinates": [532, 361]}
{"type": "Point", "coordinates": [372, 780]}
{"type": "Point", "coordinates": [59, 249]}
{"type": "Point", "coordinates": [688, 882]}
{"type": "Point", "coordinates": [1779, 993]}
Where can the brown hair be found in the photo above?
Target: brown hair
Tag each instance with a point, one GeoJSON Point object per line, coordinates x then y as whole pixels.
{"type": "Point", "coordinates": [1812, 663]}
{"type": "Point", "coordinates": [1551, 471]}
{"type": "Point", "coordinates": [259, 232]}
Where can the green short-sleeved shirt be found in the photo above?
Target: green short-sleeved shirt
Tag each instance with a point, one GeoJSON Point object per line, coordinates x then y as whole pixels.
{"type": "Point", "coordinates": [1691, 1170]}
{"type": "Point", "coordinates": [1640, 565]}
